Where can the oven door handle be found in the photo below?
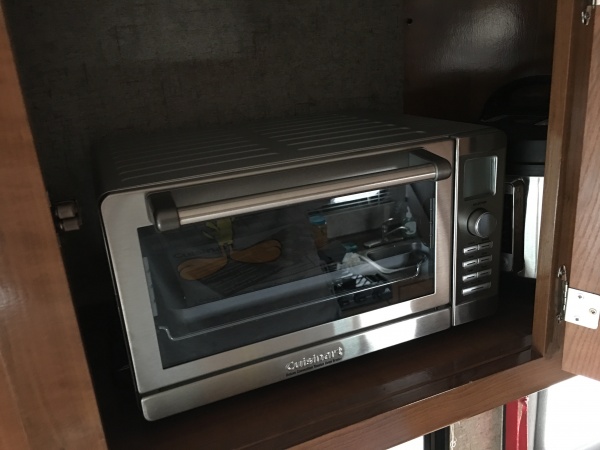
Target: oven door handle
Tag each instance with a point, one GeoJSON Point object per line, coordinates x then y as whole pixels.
{"type": "Point", "coordinates": [167, 216]}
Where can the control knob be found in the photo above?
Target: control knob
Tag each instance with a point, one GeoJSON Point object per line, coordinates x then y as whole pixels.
{"type": "Point", "coordinates": [481, 223]}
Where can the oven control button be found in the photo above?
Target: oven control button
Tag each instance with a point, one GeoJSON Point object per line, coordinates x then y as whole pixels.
{"type": "Point", "coordinates": [484, 273]}
{"type": "Point", "coordinates": [481, 223]}
{"type": "Point", "coordinates": [469, 263]}
{"type": "Point", "coordinates": [485, 259]}
{"type": "Point", "coordinates": [469, 277]}
{"type": "Point", "coordinates": [485, 246]}
{"type": "Point", "coordinates": [474, 289]}
{"type": "Point", "coordinates": [470, 249]}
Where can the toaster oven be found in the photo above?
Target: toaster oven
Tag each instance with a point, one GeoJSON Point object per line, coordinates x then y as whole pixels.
{"type": "Point", "coordinates": [247, 255]}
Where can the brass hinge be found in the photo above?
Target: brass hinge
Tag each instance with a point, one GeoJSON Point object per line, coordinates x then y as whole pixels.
{"type": "Point", "coordinates": [577, 306]}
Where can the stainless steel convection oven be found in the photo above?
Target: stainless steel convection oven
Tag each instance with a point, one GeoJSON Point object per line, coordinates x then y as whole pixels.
{"type": "Point", "coordinates": [246, 255]}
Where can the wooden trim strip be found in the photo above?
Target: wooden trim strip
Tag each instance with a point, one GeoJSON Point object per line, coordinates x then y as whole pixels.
{"type": "Point", "coordinates": [44, 377]}
{"type": "Point", "coordinates": [422, 417]}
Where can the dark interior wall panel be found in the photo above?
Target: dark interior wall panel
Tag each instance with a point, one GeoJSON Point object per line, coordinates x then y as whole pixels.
{"type": "Point", "coordinates": [91, 68]}
{"type": "Point", "coordinates": [457, 53]}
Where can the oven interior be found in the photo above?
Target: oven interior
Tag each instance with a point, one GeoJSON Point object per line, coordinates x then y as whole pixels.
{"type": "Point", "coordinates": [221, 284]}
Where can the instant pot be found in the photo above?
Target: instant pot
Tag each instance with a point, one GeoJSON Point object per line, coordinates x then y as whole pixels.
{"type": "Point", "coordinates": [520, 109]}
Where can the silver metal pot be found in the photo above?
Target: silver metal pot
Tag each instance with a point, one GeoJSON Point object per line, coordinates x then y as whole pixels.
{"type": "Point", "coordinates": [520, 109]}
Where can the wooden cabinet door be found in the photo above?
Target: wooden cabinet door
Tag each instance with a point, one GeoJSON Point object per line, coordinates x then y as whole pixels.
{"type": "Point", "coordinates": [582, 345]}
{"type": "Point", "coordinates": [46, 395]}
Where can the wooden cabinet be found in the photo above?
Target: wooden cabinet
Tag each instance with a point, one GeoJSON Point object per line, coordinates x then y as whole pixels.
{"type": "Point", "coordinates": [582, 345]}
{"type": "Point", "coordinates": [46, 394]}
{"type": "Point", "coordinates": [375, 401]}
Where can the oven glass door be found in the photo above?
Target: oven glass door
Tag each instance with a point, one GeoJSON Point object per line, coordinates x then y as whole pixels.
{"type": "Point", "coordinates": [224, 283]}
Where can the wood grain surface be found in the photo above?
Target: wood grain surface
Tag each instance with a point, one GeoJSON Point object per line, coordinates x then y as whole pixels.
{"type": "Point", "coordinates": [563, 161]}
{"type": "Point", "coordinates": [416, 419]}
{"type": "Point", "coordinates": [582, 345]}
{"type": "Point", "coordinates": [46, 396]}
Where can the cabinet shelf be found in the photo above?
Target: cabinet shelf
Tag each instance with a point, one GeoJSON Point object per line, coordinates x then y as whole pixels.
{"type": "Point", "coordinates": [345, 395]}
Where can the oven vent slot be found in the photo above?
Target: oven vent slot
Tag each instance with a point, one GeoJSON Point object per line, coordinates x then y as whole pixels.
{"type": "Point", "coordinates": [357, 201]}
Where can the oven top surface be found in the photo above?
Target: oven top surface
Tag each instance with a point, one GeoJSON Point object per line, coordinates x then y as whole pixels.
{"type": "Point", "coordinates": [163, 157]}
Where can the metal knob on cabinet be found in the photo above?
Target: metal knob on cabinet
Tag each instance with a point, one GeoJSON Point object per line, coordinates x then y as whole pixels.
{"type": "Point", "coordinates": [481, 223]}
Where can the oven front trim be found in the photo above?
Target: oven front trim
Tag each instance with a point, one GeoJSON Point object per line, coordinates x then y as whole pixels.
{"type": "Point", "coordinates": [124, 212]}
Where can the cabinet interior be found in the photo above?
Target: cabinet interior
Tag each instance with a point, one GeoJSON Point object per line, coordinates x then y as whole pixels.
{"type": "Point", "coordinates": [109, 68]}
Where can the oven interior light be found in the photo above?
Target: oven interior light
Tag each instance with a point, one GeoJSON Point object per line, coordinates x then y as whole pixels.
{"type": "Point", "coordinates": [354, 197]}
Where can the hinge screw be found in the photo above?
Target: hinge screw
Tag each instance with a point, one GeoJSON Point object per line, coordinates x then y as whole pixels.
{"type": "Point", "coordinates": [593, 311]}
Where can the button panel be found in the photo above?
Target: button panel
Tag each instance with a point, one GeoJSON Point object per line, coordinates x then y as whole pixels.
{"type": "Point", "coordinates": [485, 246]}
{"type": "Point", "coordinates": [476, 288]}
{"type": "Point", "coordinates": [471, 249]}
{"type": "Point", "coordinates": [475, 262]}
{"type": "Point", "coordinates": [471, 275]}
{"type": "Point", "coordinates": [484, 273]}
{"type": "Point", "coordinates": [470, 263]}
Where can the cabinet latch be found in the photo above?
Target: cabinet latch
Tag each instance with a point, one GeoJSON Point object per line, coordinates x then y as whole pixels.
{"type": "Point", "coordinates": [67, 215]}
{"type": "Point", "coordinates": [578, 307]}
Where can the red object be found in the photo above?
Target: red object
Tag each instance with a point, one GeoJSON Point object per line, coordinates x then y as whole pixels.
{"type": "Point", "coordinates": [515, 425]}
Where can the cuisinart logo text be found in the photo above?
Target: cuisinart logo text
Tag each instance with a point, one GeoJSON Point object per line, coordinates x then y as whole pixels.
{"type": "Point", "coordinates": [314, 361]}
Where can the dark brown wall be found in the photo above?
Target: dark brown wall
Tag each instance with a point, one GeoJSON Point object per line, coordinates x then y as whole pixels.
{"type": "Point", "coordinates": [91, 68]}
{"type": "Point", "coordinates": [457, 53]}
